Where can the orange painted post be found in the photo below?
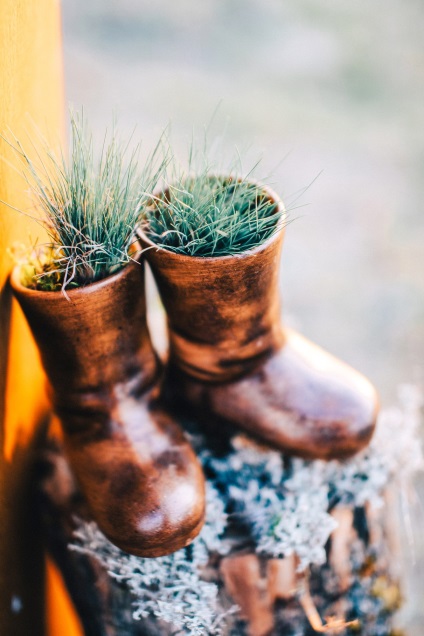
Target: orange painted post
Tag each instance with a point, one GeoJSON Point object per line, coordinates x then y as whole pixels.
{"type": "Point", "coordinates": [61, 617]}
{"type": "Point", "coordinates": [31, 92]}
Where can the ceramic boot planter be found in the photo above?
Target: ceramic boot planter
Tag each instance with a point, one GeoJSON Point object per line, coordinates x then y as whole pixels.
{"type": "Point", "coordinates": [232, 361]}
{"type": "Point", "coordinates": [139, 475]}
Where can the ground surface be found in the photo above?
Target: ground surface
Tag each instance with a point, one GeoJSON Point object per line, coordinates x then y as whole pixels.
{"type": "Point", "coordinates": [334, 89]}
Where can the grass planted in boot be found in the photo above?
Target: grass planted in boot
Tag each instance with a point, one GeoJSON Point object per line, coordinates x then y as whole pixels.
{"type": "Point", "coordinates": [206, 215]}
{"type": "Point", "coordinates": [90, 207]}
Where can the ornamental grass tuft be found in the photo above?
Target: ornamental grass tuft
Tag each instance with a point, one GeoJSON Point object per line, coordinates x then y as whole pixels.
{"type": "Point", "coordinates": [90, 206]}
{"type": "Point", "coordinates": [203, 213]}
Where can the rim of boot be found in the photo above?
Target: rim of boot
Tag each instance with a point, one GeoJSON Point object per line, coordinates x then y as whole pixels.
{"type": "Point", "coordinates": [279, 229]}
{"type": "Point", "coordinates": [68, 294]}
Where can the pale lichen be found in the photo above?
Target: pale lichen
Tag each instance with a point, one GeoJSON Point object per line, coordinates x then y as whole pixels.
{"type": "Point", "coordinates": [169, 587]}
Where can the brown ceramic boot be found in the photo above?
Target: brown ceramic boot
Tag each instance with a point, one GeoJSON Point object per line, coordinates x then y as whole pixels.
{"type": "Point", "coordinates": [141, 479]}
{"type": "Point", "coordinates": [232, 361]}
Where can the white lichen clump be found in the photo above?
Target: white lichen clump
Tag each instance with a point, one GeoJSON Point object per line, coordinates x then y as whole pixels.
{"type": "Point", "coordinates": [299, 525]}
{"type": "Point", "coordinates": [169, 587]}
{"type": "Point", "coordinates": [283, 509]}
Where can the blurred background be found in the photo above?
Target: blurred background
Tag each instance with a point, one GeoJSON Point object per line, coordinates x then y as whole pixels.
{"type": "Point", "coordinates": [329, 93]}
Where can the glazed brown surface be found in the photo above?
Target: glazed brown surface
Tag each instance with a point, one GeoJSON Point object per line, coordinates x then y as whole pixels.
{"type": "Point", "coordinates": [141, 479]}
{"type": "Point", "coordinates": [233, 362]}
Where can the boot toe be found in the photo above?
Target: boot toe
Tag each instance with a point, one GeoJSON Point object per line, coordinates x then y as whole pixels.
{"type": "Point", "coordinates": [302, 401]}
{"type": "Point", "coordinates": [161, 516]}
{"type": "Point", "coordinates": [146, 504]}
{"type": "Point", "coordinates": [336, 406]}
{"type": "Point", "coordinates": [347, 427]}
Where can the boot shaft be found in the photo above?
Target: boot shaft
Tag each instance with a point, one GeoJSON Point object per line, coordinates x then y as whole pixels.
{"type": "Point", "coordinates": [223, 312]}
{"type": "Point", "coordinates": [97, 338]}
